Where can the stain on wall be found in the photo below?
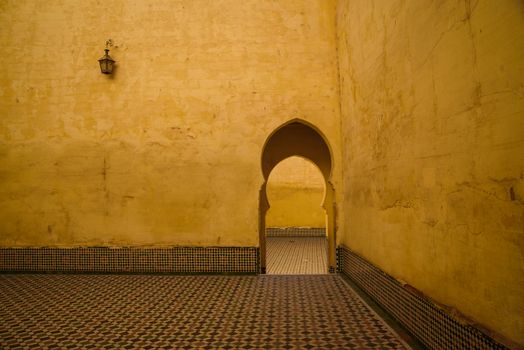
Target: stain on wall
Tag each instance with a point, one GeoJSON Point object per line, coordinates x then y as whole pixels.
{"type": "Point", "coordinates": [432, 105]}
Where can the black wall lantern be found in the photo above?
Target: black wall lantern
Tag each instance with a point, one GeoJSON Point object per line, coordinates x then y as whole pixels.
{"type": "Point", "coordinates": [106, 62]}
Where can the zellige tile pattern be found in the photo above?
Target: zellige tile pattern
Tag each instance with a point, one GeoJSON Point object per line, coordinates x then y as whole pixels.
{"type": "Point", "coordinates": [434, 327]}
{"type": "Point", "coordinates": [186, 312]}
{"type": "Point", "coordinates": [131, 259]}
{"type": "Point", "coordinates": [296, 232]}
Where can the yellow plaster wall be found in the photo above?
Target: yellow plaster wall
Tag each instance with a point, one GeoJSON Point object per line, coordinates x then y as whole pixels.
{"type": "Point", "coordinates": [167, 150]}
{"type": "Point", "coordinates": [432, 105]}
{"type": "Point", "coordinates": [295, 191]}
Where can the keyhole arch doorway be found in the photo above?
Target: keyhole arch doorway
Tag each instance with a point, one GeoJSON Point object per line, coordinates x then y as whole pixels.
{"type": "Point", "coordinates": [300, 138]}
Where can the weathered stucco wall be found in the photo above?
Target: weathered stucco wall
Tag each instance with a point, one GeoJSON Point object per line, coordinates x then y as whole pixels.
{"type": "Point", "coordinates": [432, 101]}
{"type": "Point", "coordinates": [167, 150]}
{"type": "Point", "coordinates": [295, 190]}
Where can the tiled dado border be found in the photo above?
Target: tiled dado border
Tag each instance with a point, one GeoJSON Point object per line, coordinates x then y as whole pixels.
{"type": "Point", "coordinates": [434, 327]}
{"type": "Point", "coordinates": [131, 260]}
{"type": "Point", "coordinates": [296, 232]}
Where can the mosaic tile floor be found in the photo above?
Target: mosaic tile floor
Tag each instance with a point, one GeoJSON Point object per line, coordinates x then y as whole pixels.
{"type": "Point", "coordinates": [187, 312]}
{"type": "Point", "coordinates": [296, 255]}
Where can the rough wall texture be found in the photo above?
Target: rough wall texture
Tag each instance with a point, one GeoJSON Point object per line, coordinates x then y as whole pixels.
{"type": "Point", "coordinates": [432, 101]}
{"type": "Point", "coordinates": [295, 191]}
{"type": "Point", "coordinates": [167, 150]}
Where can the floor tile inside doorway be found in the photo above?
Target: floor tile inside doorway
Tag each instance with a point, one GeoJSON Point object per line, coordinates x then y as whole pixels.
{"type": "Point", "coordinates": [296, 255]}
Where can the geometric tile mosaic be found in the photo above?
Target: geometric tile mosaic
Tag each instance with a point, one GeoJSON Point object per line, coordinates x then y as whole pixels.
{"type": "Point", "coordinates": [296, 255]}
{"type": "Point", "coordinates": [127, 259]}
{"type": "Point", "coordinates": [295, 232]}
{"type": "Point", "coordinates": [69, 311]}
{"type": "Point", "coordinates": [430, 324]}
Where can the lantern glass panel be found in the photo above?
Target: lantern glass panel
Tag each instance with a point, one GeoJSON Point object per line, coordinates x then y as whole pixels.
{"type": "Point", "coordinates": [106, 63]}
{"type": "Point", "coordinates": [106, 66]}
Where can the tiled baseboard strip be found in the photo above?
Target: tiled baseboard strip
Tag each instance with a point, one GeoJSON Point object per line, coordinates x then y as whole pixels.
{"type": "Point", "coordinates": [433, 326]}
{"type": "Point", "coordinates": [131, 260]}
{"type": "Point", "coordinates": [296, 232]}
